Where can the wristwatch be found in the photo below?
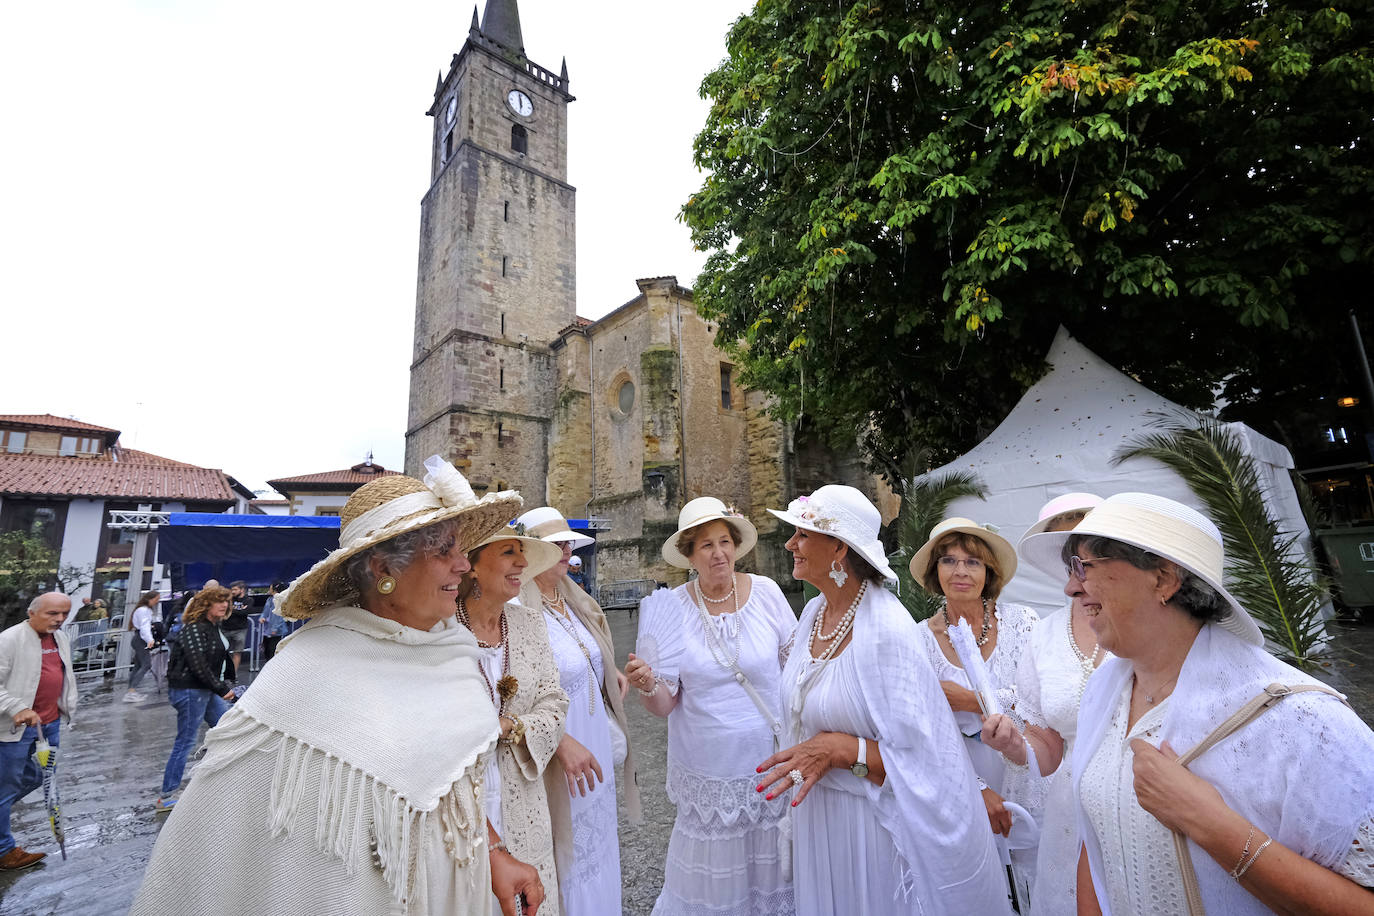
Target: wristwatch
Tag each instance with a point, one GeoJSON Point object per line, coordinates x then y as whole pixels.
{"type": "Point", "coordinates": [860, 768]}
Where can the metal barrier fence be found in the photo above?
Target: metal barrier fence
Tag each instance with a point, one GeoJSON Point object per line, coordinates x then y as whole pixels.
{"type": "Point", "coordinates": [625, 594]}
{"type": "Point", "coordinates": [95, 646]}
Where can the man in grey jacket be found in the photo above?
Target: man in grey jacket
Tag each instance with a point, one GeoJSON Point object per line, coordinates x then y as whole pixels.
{"type": "Point", "coordinates": [37, 689]}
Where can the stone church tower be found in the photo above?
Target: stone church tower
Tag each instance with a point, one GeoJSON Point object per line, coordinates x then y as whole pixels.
{"type": "Point", "coordinates": [497, 268]}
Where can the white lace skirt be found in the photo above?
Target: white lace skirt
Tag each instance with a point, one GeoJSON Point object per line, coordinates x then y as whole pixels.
{"type": "Point", "coordinates": [724, 861]}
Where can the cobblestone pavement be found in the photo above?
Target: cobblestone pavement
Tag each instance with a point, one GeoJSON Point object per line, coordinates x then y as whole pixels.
{"type": "Point", "coordinates": [111, 765]}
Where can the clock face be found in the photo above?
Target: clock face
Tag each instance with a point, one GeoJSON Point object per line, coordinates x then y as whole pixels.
{"type": "Point", "coordinates": [520, 103]}
{"type": "Point", "coordinates": [452, 109]}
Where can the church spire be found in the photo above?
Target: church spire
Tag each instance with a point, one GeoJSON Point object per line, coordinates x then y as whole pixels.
{"type": "Point", "coordinates": [501, 24]}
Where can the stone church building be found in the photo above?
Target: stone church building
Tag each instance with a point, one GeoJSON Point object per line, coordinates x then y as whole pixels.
{"type": "Point", "coordinates": [623, 418]}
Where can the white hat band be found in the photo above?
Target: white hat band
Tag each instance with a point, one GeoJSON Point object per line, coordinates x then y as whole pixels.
{"type": "Point", "coordinates": [377, 518]}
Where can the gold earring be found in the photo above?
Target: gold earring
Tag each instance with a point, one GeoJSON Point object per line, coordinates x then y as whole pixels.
{"type": "Point", "coordinates": [386, 585]}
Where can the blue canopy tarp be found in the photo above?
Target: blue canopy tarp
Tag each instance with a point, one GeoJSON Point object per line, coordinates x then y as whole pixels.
{"type": "Point", "coordinates": [259, 549]}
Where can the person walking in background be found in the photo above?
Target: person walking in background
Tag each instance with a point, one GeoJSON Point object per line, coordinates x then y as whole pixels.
{"type": "Point", "coordinates": [141, 642]}
{"type": "Point", "coordinates": [37, 688]}
{"type": "Point", "coordinates": [274, 626]}
{"type": "Point", "coordinates": [236, 624]}
{"type": "Point", "coordinates": [575, 572]}
{"type": "Point", "coordinates": [200, 681]}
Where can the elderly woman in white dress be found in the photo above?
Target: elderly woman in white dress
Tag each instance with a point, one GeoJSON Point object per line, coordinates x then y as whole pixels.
{"type": "Point", "coordinates": [1273, 811]}
{"type": "Point", "coordinates": [968, 565]}
{"type": "Point", "coordinates": [1062, 654]}
{"type": "Point", "coordinates": [594, 742]}
{"type": "Point", "coordinates": [347, 781]}
{"type": "Point", "coordinates": [708, 657]}
{"type": "Point", "coordinates": [887, 815]}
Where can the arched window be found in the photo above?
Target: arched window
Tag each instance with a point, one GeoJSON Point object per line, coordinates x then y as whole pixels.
{"type": "Point", "coordinates": [519, 139]}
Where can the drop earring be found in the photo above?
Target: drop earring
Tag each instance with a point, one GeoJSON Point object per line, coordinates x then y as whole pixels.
{"type": "Point", "coordinates": [476, 589]}
{"type": "Point", "coordinates": [386, 585]}
{"type": "Point", "coordinates": [838, 574]}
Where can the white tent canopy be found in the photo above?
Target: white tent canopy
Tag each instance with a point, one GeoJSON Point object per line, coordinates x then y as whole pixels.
{"type": "Point", "coordinates": [1060, 438]}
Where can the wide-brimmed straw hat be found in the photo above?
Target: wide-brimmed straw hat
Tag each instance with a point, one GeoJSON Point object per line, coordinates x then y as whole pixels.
{"type": "Point", "coordinates": [548, 524]}
{"type": "Point", "coordinates": [843, 513]}
{"type": "Point", "coordinates": [389, 507]}
{"type": "Point", "coordinates": [1165, 528]}
{"type": "Point", "coordinates": [540, 555]}
{"type": "Point", "coordinates": [1067, 504]}
{"type": "Point", "coordinates": [705, 509]}
{"type": "Point", "coordinates": [1001, 548]}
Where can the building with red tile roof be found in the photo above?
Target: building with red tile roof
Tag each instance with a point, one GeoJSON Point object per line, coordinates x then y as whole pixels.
{"type": "Point", "coordinates": [61, 478]}
{"type": "Point", "coordinates": [325, 492]}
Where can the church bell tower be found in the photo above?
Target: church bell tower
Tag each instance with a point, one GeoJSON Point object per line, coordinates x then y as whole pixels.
{"type": "Point", "coordinates": [497, 269]}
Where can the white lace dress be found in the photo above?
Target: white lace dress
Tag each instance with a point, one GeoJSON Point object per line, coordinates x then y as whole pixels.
{"type": "Point", "coordinates": [1050, 686]}
{"type": "Point", "coordinates": [725, 855]}
{"type": "Point", "coordinates": [1014, 625]}
{"type": "Point", "coordinates": [592, 887]}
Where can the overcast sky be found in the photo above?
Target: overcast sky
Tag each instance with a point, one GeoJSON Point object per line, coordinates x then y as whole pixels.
{"type": "Point", "coordinates": [211, 209]}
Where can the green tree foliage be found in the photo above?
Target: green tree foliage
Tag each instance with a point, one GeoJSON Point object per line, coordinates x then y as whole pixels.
{"type": "Point", "coordinates": [1265, 569]}
{"type": "Point", "coordinates": [905, 199]}
{"type": "Point", "coordinates": [28, 567]}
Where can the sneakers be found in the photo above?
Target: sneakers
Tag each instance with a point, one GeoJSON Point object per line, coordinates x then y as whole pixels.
{"type": "Point", "coordinates": [133, 696]}
{"type": "Point", "coordinates": [17, 858]}
{"type": "Point", "coordinates": [166, 802]}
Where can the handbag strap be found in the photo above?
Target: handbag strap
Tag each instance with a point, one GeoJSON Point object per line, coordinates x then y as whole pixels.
{"type": "Point", "coordinates": [1256, 707]}
{"type": "Point", "coordinates": [774, 725]}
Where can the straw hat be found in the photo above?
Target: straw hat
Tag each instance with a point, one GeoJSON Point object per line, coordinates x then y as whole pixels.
{"type": "Point", "coordinates": [705, 509]}
{"type": "Point", "coordinates": [1067, 504]}
{"type": "Point", "coordinates": [1165, 528]}
{"type": "Point", "coordinates": [389, 507]}
{"type": "Point", "coordinates": [540, 555]}
{"type": "Point", "coordinates": [843, 513]}
{"type": "Point", "coordinates": [1001, 548]}
{"type": "Point", "coordinates": [548, 524]}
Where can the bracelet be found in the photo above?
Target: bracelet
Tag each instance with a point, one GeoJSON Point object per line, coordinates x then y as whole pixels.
{"type": "Point", "coordinates": [982, 783]}
{"type": "Point", "coordinates": [517, 731]}
{"type": "Point", "coordinates": [648, 693]}
{"type": "Point", "coordinates": [1244, 854]}
{"type": "Point", "coordinates": [1247, 865]}
{"type": "Point", "coordinates": [498, 847]}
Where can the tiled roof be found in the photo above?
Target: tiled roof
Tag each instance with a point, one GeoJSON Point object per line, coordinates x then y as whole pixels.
{"type": "Point", "coordinates": [346, 479]}
{"type": "Point", "coordinates": [119, 474]}
{"type": "Point", "coordinates": [48, 421]}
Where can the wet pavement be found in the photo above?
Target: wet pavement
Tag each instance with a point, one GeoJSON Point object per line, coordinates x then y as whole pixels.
{"type": "Point", "coordinates": [111, 767]}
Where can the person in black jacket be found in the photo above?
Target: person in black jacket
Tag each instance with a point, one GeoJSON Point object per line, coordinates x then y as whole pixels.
{"type": "Point", "coordinates": [200, 681]}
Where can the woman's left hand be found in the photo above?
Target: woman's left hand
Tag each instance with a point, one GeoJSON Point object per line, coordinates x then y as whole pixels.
{"type": "Point", "coordinates": [579, 765]}
{"type": "Point", "coordinates": [998, 815]}
{"type": "Point", "coordinates": [1177, 798]}
{"type": "Point", "coordinates": [1000, 734]}
{"type": "Point", "coordinates": [622, 683]}
{"type": "Point", "coordinates": [813, 758]}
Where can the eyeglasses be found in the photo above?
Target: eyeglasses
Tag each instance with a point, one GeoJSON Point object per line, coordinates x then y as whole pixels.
{"type": "Point", "coordinates": [972, 564]}
{"type": "Point", "coordinates": [1079, 566]}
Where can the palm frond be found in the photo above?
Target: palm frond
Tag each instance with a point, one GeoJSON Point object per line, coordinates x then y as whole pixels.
{"type": "Point", "coordinates": [1266, 571]}
{"type": "Point", "coordinates": [925, 500]}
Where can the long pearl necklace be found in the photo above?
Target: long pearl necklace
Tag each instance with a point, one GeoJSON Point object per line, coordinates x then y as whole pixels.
{"type": "Point", "coordinates": [558, 609]}
{"type": "Point", "coordinates": [1088, 665]}
{"type": "Point", "coordinates": [726, 658]}
{"type": "Point", "coordinates": [504, 645]}
{"type": "Point", "coordinates": [987, 621]}
{"type": "Point", "coordinates": [837, 635]}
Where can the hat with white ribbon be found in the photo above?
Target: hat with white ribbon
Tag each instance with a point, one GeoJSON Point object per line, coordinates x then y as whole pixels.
{"type": "Point", "coordinates": [389, 507]}
{"type": "Point", "coordinates": [547, 523]}
{"type": "Point", "coordinates": [843, 513]}
{"type": "Point", "coordinates": [698, 512]}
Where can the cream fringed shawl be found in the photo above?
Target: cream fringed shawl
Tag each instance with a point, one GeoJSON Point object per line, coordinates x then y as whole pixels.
{"type": "Point", "coordinates": [1301, 772]}
{"type": "Point", "coordinates": [354, 755]}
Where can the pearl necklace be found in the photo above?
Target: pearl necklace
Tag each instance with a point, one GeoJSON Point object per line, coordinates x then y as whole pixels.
{"type": "Point", "coordinates": [504, 645]}
{"type": "Point", "coordinates": [987, 622]}
{"type": "Point", "coordinates": [558, 610]}
{"type": "Point", "coordinates": [723, 598]}
{"type": "Point", "coordinates": [1087, 664]}
{"type": "Point", "coordinates": [727, 659]}
{"type": "Point", "coordinates": [841, 630]}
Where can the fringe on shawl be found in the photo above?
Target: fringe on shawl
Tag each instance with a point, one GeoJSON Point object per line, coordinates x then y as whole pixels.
{"type": "Point", "coordinates": [352, 808]}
